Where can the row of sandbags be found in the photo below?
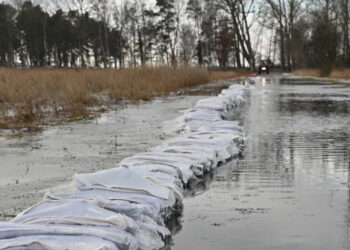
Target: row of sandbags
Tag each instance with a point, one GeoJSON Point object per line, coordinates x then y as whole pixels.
{"type": "Point", "coordinates": [125, 207]}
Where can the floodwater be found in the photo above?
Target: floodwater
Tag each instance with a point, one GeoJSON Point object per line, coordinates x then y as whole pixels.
{"type": "Point", "coordinates": [290, 190]}
{"type": "Point", "coordinates": [35, 163]}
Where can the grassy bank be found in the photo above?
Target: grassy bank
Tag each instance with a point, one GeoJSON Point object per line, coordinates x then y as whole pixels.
{"type": "Point", "coordinates": [335, 73]}
{"type": "Point", "coordinates": [32, 97]}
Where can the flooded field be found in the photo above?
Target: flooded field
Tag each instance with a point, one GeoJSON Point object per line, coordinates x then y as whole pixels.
{"type": "Point", "coordinates": [290, 190]}
{"type": "Point", "coordinates": [36, 162]}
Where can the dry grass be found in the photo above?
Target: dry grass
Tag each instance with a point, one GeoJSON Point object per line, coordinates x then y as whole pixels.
{"type": "Point", "coordinates": [307, 72]}
{"type": "Point", "coordinates": [335, 73]}
{"type": "Point", "coordinates": [340, 74]}
{"type": "Point", "coordinates": [35, 96]}
{"type": "Point", "coordinates": [222, 75]}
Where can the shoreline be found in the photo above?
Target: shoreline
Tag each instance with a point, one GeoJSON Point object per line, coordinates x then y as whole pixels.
{"type": "Point", "coordinates": [33, 98]}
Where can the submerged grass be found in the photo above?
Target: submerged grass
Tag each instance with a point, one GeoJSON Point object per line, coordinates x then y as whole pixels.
{"type": "Point", "coordinates": [30, 97]}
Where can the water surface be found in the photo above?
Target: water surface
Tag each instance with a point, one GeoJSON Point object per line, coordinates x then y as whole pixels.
{"type": "Point", "coordinates": [291, 188]}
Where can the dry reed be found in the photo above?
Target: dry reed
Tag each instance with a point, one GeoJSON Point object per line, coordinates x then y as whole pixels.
{"type": "Point", "coordinates": [307, 72]}
{"type": "Point", "coordinates": [335, 73]}
{"type": "Point", "coordinates": [29, 97]}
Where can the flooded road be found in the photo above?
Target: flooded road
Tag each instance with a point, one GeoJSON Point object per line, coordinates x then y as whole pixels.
{"type": "Point", "coordinates": [290, 190]}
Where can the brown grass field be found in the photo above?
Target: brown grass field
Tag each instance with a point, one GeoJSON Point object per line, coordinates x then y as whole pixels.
{"type": "Point", "coordinates": [336, 73]}
{"type": "Point", "coordinates": [31, 97]}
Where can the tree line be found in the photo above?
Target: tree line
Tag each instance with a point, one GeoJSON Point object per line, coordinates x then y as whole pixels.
{"type": "Point", "coordinates": [211, 33]}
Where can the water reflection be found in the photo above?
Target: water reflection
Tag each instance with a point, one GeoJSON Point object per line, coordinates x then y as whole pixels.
{"type": "Point", "coordinates": [291, 188]}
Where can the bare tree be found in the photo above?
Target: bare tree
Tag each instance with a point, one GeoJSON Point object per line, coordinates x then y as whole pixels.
{"type": "Point", "coordinates": [239, 10]}
{"type": "Point", "coordinates": [187, 41]}
{"type": "Point", "coordinates": [285, 13]}
{"type": "Point", "coordinates": [101, 9]}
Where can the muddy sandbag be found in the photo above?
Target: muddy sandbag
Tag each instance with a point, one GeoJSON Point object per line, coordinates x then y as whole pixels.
{"type": "Point", "coordinates": [120, 179]}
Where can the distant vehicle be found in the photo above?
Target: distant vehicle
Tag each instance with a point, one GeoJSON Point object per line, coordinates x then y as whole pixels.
{"type": "Point", "coordinates": [264, 66]}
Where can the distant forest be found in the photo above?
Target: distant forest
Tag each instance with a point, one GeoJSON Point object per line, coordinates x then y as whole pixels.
{"type": "Point", "coordinates": [211, 33]}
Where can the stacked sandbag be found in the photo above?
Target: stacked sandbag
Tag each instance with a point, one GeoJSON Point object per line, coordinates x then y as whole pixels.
{"type": "Point", "coordinates": [126, 207]}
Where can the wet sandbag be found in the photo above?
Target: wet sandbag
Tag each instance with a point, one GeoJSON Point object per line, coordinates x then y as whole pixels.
{"type": "Point", "coordinates": [193, 159]}
{"type": "Point", "coordinates": [230, 141]}
{"type": "Point", "coordinates": [115, 195]}
{"type": "Point", "coordinates": [75, 212]}
{"type": "Point", "coordinates": [162, 179]}
{"type": "Point", "coordinates": [203, 115]}
{"type": "Point", "coordinates": [133, 210]}
{"type": "Point", "coordinates": [235, 93]}
{"type": "Point", "coordinates": [214, 103]}
{"type": "Point", "coordinates": [187, 168]}
{"type": "Point", "coordinates": [174, 173]}
{"type": "Point", "coordinates": [114, 235]}
{"type": "Point", "coordinates": [55, 242]}
{"type": "Point", "coordinates": [148, 232]}
{"type": "Point", "coordinates": [188, 164]}
{"type": "Point", "coordinates": [225, 145]}
{"type": "Point", "coordinates": [120, 178]}
{"type": "Point", "coordinates": [206, 153]}
{"type": "Point", "coordinates": [224, 126]}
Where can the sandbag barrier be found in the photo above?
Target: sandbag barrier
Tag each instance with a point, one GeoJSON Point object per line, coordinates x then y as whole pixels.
{"type": "Point", "coordinates": [127, 207]}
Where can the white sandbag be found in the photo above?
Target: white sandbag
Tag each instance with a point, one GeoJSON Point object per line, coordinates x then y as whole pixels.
{"type": "Point", "coordinates": [187, 168]}
{"type": "Point", "coordinates": [228, 126]}
{"type": "Point", "coordinates": [191, 158]}
{"type": "Point", "coordinates": [148, 231]}
{"type": "Point", "coordinates": [118, 237]}
{"type": "Point", "coordinates": [83, 213]}
{"type": "Point", "coordinates": [75, 212]}
{"type": "Point", "coordinates": [214, 103]}
{"type": "Point", "coordinates": [56, 242]}
{"type": "Point", "coordinates": [229, 141]}
{"type": "Point", "coordinates": [113, 195]}
{"type": "Point", "coordinates": [206, 153]}
{"type": "Point", "coordinates": [222, 153]}
{"type": "Point", "coordinates": [173, 172]}
{"type": "Point", "coordinates": [164, 180]}
{"type": "Point", "coordinates": [234, 91]}
{"type": "Point", "coordinates": [149, 236]}
{"type": "Point", "coordinates": [203, 115]}
{"type": "Point", "coordinates": [225, 145]}
{"type": "Point", "coordinates": [132, 210]}
{"type": "Point", "coordinates": [120, 178]}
